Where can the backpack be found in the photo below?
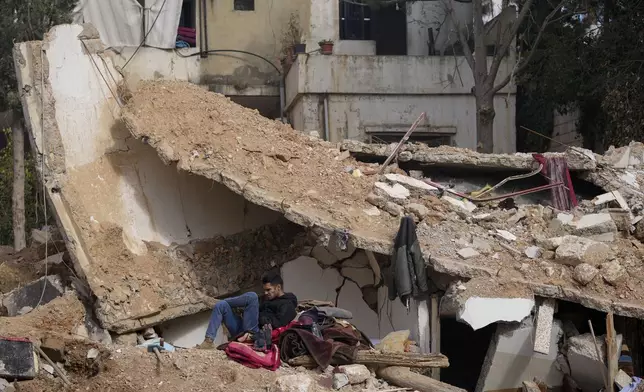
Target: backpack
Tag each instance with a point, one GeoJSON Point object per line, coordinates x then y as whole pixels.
{"type": "Point", "coordinates": [244, 354]}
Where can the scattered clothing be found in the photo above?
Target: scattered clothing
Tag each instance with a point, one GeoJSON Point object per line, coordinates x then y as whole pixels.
{"type": "Point", "coordinates": [223, 311]}
{"type": "Point", "coordinates": [279, 311]}
{"type": "Point", "coordinates": [332, 311]}
{"type": "Point", "coordinates": [306, 304]}
{"type": "Point", "coordinates": [407, 275]}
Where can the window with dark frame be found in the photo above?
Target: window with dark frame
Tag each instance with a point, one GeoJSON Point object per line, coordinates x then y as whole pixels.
{"type": "Point", "coordinates": [355, 21]}
{"type": "Point", "coordinates": [244, 5]}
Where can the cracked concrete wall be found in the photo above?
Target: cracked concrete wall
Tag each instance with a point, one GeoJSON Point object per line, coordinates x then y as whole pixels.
{"type": "Point", "coordinates": [307, 279]}
{"type": "Point", "coordinates": [119, 206]}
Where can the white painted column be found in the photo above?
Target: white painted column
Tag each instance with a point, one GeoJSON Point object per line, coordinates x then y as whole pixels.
{"type": "Point", "coordinates": [324, 22]}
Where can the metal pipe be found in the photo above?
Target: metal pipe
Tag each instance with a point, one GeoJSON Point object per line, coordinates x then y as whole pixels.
{"type": "Point", "coordinates": [204, 18]}
{"type": "Point", "coordinates": [282, 100]}
{"type": "Point", "coordinates": [326, 118]}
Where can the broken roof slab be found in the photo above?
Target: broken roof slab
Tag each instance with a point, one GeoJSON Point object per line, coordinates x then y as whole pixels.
{"type": "Point", "coordinates": [446, 156]}
{"type": "Point", "coordinates": [124, 210]}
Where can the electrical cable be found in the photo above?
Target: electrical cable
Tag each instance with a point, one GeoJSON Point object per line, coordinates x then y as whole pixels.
{"type": "Point", "coordinates": [146, 34]}
{"type": "Point", "coordinates": [215, 51]}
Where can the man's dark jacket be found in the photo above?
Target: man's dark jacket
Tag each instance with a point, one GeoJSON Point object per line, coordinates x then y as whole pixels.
{"type": "Point", "coordinates": [407, 275]}
{"type": "Point", "coordinates": [279, 311]}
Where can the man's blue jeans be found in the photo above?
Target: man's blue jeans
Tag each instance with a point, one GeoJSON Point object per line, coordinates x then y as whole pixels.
{"type": "Point", "coordinates": [223, 311]}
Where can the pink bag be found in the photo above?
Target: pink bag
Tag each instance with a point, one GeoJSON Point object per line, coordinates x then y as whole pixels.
{"type": "Point", "coordinates": [244, 354]}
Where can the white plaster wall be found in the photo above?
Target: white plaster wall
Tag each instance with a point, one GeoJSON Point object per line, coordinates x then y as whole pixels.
{"type": "Point", "coordinates": [307, 280]}
{"type": "Point", "coordinates": [116, 179]}
{"type": "Point", "coordinates": [565, 131]}
{"type": "Point", "coordinates": [324, 22]}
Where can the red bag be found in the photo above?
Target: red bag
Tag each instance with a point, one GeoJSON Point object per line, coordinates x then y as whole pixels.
{"type": "Point", "coordinates": [244, 354]}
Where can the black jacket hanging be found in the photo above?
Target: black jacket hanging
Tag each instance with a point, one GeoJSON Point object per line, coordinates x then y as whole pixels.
{"type": "Point", "coordinates": [407, 275]}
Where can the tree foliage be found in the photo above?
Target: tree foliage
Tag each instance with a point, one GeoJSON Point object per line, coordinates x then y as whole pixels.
{"type": "Point", "coordinates": [595, 63]}
{"type": "Point", "coordinates": [24, 20]}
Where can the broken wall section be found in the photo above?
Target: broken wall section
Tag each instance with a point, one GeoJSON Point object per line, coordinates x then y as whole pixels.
{"type": "Point", "coordinates": [121, 209]}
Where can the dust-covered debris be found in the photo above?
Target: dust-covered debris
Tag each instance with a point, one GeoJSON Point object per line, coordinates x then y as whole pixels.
{"type": "Point", "coordinates": [207, 134]}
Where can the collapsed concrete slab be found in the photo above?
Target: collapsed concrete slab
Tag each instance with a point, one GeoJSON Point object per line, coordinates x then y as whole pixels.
{"type": "Point", "coordinates": [511, 360]}
{"type": "Point", "coordinates": [224, 170]}
{"type": "Point", "coordinates": [446, 156]}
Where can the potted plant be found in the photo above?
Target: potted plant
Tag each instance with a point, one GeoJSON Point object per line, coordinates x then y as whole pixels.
{"type": "Point", "coordinates": [326, 46]}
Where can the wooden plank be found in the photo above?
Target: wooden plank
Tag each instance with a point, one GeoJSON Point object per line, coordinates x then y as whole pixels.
{"type": "Point", "coordinates": [435, 332]}
{"type": "Point", "coordinates": [612, 356]}
{"type": "Point", "coordinates": [403, 377]}
{"type": "Point", "coordinates": [374, 357]}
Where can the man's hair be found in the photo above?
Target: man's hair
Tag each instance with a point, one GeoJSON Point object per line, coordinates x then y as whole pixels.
{"type": "Point", "coordinates": [273, 278]}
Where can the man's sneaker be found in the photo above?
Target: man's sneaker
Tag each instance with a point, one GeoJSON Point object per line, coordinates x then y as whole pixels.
{"type": "Point", "coordinates": [208, 344]}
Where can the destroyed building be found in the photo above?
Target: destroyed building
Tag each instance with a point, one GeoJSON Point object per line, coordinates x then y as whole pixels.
{"type": "Point", "coordinates": [169, 196]}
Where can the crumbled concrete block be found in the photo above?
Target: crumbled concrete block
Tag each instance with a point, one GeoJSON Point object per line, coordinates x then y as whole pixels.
{"type": "Point", "coordinates": [506, 235]}
{"type": "Point", "coordinates": [479, 312]}
{"type": "Point", "coordinates": [584, 363]}
{"type": "Point", "coordinates": [355, 373]}
{"type": "Point", "coordinates": [545, 316]}
{"type": "Point", "coordinates": [294, 383]}
{"type": "Point", "coordinates": [417, 174]}
{"type": "Point", "coordinates": [605, 237]}
{"type": "Point", "coordinates": [468, 253]}
{"type": "Point", "coordinates": [593, 224]}
{"type": "Point", "coordinates": [613, 272]}
{"type": "Point", "coordinates": [481, 217]}
{"type": "Point", "coordinates": [621, 218]}
{"type": "Point", "coordinates": [391, 192]}
{"type": "Point", "coordinates": [17, 360]}
{"type": "Point", "coordinates": [54, 347]}
{"type": "Point", "coordinates": [533, 252]}
{"type": "Point", "coordinates": [129, 339]}
{"type": "Point", "coordinates": [463, 204]}
{"type": "Point", "coordinates": [576, 250]}
{"type": "Point", "coordinates": [584, 273]}
{"type": "Point", "coordinates": [415, 186]}
{"type": "Point", "coordinates": [373, 211]}
{"type": "Point", "coordinates": [340, 380]}
{"type": "Point", "coordinates": [393, 209]}
{"type": "Point", "coordinates": [609, 197]}
{"type": "Point", "coordinates": [550, 243]}
{"type": "Point", "coordinates": [622, 379]}
{"type": "Point", "coordinates": [5, 386]}
{"type": "Point", "coordinates": [322, 254]}
{"type": "Point", "coordinates": [30, 295]}
{"type": "Point", "coordinates": [376, 200]}
{"type": "Point", "coordinates": [417, 209]}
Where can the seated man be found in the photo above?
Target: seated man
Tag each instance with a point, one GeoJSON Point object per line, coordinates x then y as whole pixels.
{"type": "Point", "coordinates": [276, 309]}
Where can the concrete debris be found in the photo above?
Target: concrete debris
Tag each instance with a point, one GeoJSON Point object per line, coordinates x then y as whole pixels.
{"type": "Point", "coordinates": [506, 235]}
{"type": "Point", "coordinates": [543, 329]}
{"type": "Point", "coordinates": [463, 204]}
{"type": "Point", "coordinates": [36, 293]}
{"type": "Point", "coordinates": [417, 174]}
{"type": "Point", "coordinates": [584, 273]}
{"type": "Point", "coordinates": [48, 368]}
{"type": "Point", "coordinates": [417, 187]}
{"type": "Point", "coordinates": [613, 272]}
{"type": "Point", "coordinates": [93, 353]}
{"type": "Point", "coordinates": [322, 254]}
{"type": "Point", "coordinates": [622, 379]}
{"type": "Point", "coordinates": [481, 245]}
{"type": "Point", "coordinates": [340, 380]}
{"type": "Point", "coordinates": [54, 347]}
{"type": "Point", "coordinates": [356, 374]}
{"type": "Point", "coordinates": [294, 383]}
{"type": "Point", "coordinates": [394, 209]}
{"type": "Point", "coordinates": [373, 211]}
{"type": "Point", "coordinates": [419, 210]}
{"type": "Point", "coordinates": [593, 224]}
{"type": "Point", "coordinates": [584, 363]}
{"type": "Point", "coordinates": [576, 250]}
{"type": "Point", "coordinates": [5, 386]}
{"type": "Point", "coordinates": [468, 253]}
{"type": "Point", "coordinates": [358, 260]}
{"type": "Point", "coordinates": [392, 192]}
{"type": "Point", "coordinates": [610, 197]}
{"type": "Point", "coordinates": [533, 252]}
{"type": "Point", "coordinates": [530, 386]}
